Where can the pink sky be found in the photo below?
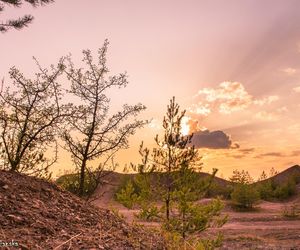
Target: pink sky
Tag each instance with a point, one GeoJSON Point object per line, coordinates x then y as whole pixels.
{"type": "Point", "coordinates": [186, 49]}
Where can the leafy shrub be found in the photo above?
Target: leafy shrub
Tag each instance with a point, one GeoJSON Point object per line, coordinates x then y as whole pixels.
{"type": "Point", "coordinates": [127, 195]}
{"type": "Point", "coordinates": [244, 196]}
{"type": "Point", "coordinates": [149, 213]}
{"type": "Point", "coordinates": [218, 190]}
{"type": "Point", "coordinates": [70, 182]}
{"type": "Point", "coordinates": [196, 217]}
{"type": "Point", "coordinates": [269, 190]}
{"type": "Point", "coordinates": [266, 190]}
{"type": "Point", "coordinates": [174, 241]}
{"type": "Point", "coordinates": [285, 190]}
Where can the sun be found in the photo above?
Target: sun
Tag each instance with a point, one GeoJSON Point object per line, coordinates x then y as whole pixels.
{"type": "Point", "coordinates": [185, 127]}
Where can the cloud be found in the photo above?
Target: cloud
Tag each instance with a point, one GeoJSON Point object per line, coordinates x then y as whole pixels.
{"type": "Point", "coordinates": [213, 140]}
{"type": "Point", "coordinates": [241, 153]}
{"type": "Point", "coordinates": [271, 154]}
{"type": "Point", "coordinates": [230, 96]}
{"type": "Point", "coordinates": [267, 100]}
{"type": "Point", "coordinates": [154, 124]}
{"type": "Point", "coordinates": [297, 89]}
{"type": "Point", "coordinates": [200, 109]}
{"type": "Point", "coordinates": [247, 150]}
{"type": "Point", "coordinates": [289, 71]}
{"type": "Point", "coordinates": [271, 116]}
{"type": "Point", "coordinates": [226, 98]}
{"type": "Point", "coordinates": [266, 116]}
{"type": "Point", "coordinates": [295, 153]}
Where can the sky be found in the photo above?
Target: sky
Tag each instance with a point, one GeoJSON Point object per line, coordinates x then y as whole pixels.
{"type": "Point", "coordinates": [233, 65]}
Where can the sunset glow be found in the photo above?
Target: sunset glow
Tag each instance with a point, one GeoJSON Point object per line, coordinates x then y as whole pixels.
{"type": "Point", "coordinates": [234, 66]}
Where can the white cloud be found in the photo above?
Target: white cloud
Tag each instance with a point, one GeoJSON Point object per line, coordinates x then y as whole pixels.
{"type": "Point", "coordinates": [283, 109]}
{"type": "Point", "coordinates": [226, 98]}
{"type": "Point", "coordinates": [266, 100]}
{"type": "Point", "coordinates": [289, 71]}
{"type": "Point", "coordinates": [154, 124]}
{"type": "Point", "coordinates": [266, 116]}
{"type": "Point", "coordinates": [200, 109]}
{"type": "Point", "coordinates": [229, 96]}
{"type": "Point", "coordinates": [297, 89]}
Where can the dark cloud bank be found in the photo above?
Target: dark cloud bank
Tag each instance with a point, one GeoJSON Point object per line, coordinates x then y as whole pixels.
{"type": "Point", "coordinates": [214, 140]}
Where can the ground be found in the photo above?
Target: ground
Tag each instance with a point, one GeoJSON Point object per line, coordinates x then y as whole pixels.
{"type": "Point", "coordinates": [37, 214]}
{"type": "Point", "coordinates": [264, 228]}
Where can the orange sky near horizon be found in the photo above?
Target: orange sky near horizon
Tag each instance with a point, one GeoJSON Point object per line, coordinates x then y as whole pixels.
{"type": "Point", "coordinates": [233, 65]}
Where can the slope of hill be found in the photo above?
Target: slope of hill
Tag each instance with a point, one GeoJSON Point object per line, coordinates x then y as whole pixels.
{"type": "Point", "coordinates": [292, 172]}
{"type": "Point", "coordinates": [39, 215]}
{"type": "Point", "coordinates": [114, 180]}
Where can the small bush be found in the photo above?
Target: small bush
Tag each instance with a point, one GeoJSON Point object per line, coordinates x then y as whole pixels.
{"type": "Point", "coordinates": [149, 213]}
{"type": "Point", "coordinates": [175, 241]}
{"type": "Point", "coordinates": [285, 190]}
{"type": "Point", "coordinates": [70, 182]}
{"type": "Point", "coordinates": [244, 196]}
{"type": "Point", "coordinates": [217, 190]}
{"type": "Point", "coordinates": [127, 195]}
{"type": "Point", "coordinates": [266, 190]}
{"type": "Point", "coordinates": [269, 190]}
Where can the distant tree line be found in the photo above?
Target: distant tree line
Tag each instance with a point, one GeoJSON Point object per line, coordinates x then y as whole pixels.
{"type": "Point", "coordinates": [245, 193]}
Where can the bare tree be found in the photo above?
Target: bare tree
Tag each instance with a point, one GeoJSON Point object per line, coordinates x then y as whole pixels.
{"type": "Point", "coordinates": [30, 114]}
{"type": "Point", "coordinates": [93, 134]}
{"type": "Point", "coordinates": [20, 22]}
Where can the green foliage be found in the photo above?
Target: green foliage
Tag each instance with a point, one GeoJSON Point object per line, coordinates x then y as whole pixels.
{"type": "Point", "coordinates": [271, 190]}
{"type": "Point", "coordinates": [174, 241]}
{"type": "Point", "coordinates": [242, 177]}
{"type": "Point", "coordinates": [266, 190]}
{"type": "Point", "coordinates": [71, 182]}
{"type": "Point", "coordinates": [218, 190]}
{"type": "Point", "coordinates": [127, 195]}
{"type": "Point", "coordinates": [193, 217]}
{"type": "Point", "coordinates": [149, 212]}
{"type": "Point", "coordinates": [285, 190]}
{"type": "Point", "coordinates": [168, 173]}
{"type": "Point", "coordinates": [165, 161]}
{"type": "Point", "coordinates": [244, 196]}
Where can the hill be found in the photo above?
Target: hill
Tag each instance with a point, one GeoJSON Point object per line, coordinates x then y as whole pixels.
{"type": "Point", "coordinates": [37, 214]}
{"type": "Point", "coordinates": [292, 172]}
{"type": "Point", "coordinates": [220, 187]}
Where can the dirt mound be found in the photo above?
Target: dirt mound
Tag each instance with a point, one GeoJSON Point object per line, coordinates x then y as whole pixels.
{"type": "Point", "coordinates": [292, 172]}
{"type": "Point", "coordinates": [39, 215]}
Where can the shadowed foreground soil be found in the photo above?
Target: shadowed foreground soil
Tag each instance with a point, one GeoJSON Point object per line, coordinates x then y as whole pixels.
{"type": "Point", "coordinates": [38, 215]}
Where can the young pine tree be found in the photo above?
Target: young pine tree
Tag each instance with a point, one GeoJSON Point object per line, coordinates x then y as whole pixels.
{"type": "Point", "coordinates": [170, 171]}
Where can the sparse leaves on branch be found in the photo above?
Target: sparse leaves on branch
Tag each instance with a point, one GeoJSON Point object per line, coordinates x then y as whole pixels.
{"type": "Point", "coordinates": [93, 133]}
{"type": "Point", "coordinates": [30, 117]}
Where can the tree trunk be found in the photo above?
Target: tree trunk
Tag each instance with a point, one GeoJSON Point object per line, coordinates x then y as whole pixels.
{"type": "Point", "coordinates": [82, 175]}
{"type": "Point", "coordinates": [168, 205]}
